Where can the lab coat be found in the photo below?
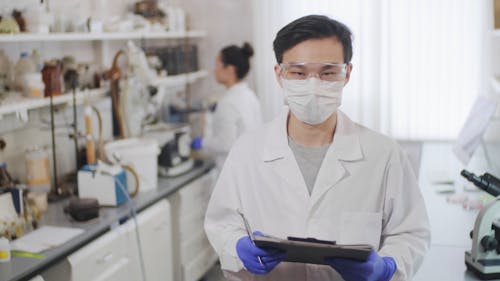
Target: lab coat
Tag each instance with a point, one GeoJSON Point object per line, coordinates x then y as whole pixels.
{"type": "Point", "coordinates": [365, 192]}
{"type": "Point", "coordinates": [236, 112]}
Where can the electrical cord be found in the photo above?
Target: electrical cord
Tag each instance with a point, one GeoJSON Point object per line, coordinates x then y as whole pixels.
{"type": "Point", "coordinates": [100, 140]}
{"type": "Point", "coordinates": [136, 223]}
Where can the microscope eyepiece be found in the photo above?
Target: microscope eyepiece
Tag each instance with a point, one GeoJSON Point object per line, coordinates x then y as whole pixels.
{"type": "Point", "coordinates": [466, 174]}
{"type": "Point", "coordinates": [486, 182]}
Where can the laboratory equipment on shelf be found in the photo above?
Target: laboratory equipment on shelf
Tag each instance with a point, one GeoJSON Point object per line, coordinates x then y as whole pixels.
{"type": "Point", "coordinates": [175, 145]}
{"type": "Point", "coordinates": [107, 183]}
{"type": "Point", "coordinates": [140, 154]}
{"type": "Point", "coordinates": [484, 257]}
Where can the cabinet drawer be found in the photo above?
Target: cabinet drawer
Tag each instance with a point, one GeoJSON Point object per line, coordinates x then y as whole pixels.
{"type": "Point", "coordinates": [191, 225]}
{"type": "Point", "coordinates": [99, 258]}
{"type": "Point", "coordinates": [156, 240]}
{"type": "Point", "coordinates": [199, 266]}
{"type": "Point", "coordinates": [191, 248]}
{"type": "Point", "coordinates": [195, 196]}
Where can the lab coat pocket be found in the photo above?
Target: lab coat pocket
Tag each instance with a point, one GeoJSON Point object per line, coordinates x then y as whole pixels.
{"type": "Point", "coordinates": [360, 228]}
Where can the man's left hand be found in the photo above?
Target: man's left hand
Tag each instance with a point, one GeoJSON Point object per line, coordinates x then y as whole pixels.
{"type": "Point", "coordinates": [375, 268]}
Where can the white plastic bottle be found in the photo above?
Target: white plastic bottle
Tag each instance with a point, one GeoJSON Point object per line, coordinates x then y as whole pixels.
{"type": "Point", "coordinates": [37, 61]}
{"type": "Point", "coordinates": [4, 250]}
{"type": "Point", "coordinates": [171, 19]}
{"type": "Point", "coordinates": [181, 19]}
{"type": "Point", "coordinates": [24, 66]}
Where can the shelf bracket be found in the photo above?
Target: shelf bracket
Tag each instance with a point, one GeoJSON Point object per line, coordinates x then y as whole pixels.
{"type": "Point", "coordinates": [22, 115]}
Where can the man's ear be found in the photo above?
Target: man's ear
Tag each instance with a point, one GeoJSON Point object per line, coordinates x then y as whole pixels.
{"type": "Point", "coordinates": [277, 70]}
{"type": "Point", "coordinates": [348, 73]}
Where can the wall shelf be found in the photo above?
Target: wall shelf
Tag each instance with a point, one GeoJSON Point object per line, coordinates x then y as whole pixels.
{"type": "Point", "coordinates": [21, 105]}
{"type": "Point", "coordinates": [181, 79]}
{"type": "Point", "coordinates": [103, 36]}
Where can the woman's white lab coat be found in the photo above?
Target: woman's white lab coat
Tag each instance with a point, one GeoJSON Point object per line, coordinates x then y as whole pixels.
{"type": "Point", "coordinates": [365, 192]}
{"type": "Point", "coordinates": [236, 112]}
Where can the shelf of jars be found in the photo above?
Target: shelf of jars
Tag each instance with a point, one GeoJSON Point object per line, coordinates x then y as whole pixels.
{"type": "Point", "coordinates": [15, 103]}
{"type": "Point", "coordinates": [99, 36]}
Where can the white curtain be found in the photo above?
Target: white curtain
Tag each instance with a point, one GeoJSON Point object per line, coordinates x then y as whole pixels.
{"type": "Point", "coordinates": [416, 62]}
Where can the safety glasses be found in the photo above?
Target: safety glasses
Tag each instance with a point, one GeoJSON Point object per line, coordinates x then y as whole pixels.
{"type": "Point", "coordinates": [324, 71]}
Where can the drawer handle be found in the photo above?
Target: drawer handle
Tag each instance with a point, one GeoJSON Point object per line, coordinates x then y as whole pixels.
{"type": "Point", "coordinates": [161, 227]}
{"type": "Point", "coordinates": [106, 258]}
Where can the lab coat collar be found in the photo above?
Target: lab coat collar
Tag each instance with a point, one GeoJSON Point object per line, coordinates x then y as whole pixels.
{"type": "Point", "coordinates": [346, 145]}
{"type": "Point", "coordinates": [237, 87]}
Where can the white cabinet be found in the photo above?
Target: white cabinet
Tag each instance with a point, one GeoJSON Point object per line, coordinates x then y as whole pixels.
{"type": "Point", "coordinates": [191, 246]}
{"type": "Point", "coordinates": [173, 243]}
{"type": "Point", "coordinates": [106, 258]}
{"type": "Point", "coordinates": [115, 255]}
{"type": "Point", "coordinates": [155, 234]}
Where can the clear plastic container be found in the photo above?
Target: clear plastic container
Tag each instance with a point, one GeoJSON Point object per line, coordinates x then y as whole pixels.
{"type": "Point", "coordinates": [37, 169]}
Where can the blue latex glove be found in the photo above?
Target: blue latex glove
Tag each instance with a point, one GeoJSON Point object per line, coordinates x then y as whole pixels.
{"type": "Point", "coordinates": [249, 254]}
{"type": "Point", "coordinates": [196, 143]}
{"type": "Point", "coordinates": [375, 268]}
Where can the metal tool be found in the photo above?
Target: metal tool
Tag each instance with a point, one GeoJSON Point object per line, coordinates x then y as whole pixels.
{"type": "Point", "coordinates": [484, 257]}
{"type": "Point", "coordinates": [249, 231]}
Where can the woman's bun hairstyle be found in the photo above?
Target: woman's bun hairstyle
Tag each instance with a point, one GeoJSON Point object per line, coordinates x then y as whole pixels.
{"type": "Point", "coordinates": [247, 49]}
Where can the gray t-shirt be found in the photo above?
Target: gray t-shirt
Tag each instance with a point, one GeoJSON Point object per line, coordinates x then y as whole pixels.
{"type": "Point", "coordinates": [309, 160]}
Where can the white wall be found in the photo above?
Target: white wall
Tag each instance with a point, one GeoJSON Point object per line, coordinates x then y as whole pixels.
{"type": "Point", "coordinates": [226, 22]}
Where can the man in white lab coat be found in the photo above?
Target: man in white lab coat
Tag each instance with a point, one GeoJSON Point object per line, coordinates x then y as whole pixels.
{"type": "Point", "coordinates": [312, 172]}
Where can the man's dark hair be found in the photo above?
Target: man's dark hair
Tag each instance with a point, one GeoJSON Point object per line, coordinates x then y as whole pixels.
{"type": "Point", "coordinates": [312, 27]}
{"type": "Point", "coordinates": [239, 57]}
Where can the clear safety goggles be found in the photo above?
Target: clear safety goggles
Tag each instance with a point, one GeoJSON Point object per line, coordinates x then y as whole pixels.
{"type": "Point", "coordinates": [324, 71]}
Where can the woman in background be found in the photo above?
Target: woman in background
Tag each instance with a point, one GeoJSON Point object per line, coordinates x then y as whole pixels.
{"type": "Point", "coordinates": [238, 110]}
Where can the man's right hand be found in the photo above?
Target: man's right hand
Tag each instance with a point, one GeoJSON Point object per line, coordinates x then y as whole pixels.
{"type": "Point", "coordinates": [257, 260]}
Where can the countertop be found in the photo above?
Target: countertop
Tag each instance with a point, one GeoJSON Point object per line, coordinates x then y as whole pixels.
{"type": "Point", "coordinates": [20, 268]}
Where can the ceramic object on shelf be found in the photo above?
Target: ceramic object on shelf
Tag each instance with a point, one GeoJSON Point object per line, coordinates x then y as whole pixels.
{"type": "Point", "coordinates": [8, 25]}
{"type": "Point", "coordinates": [51, 75]}
{"type": "Point", "coordinates": [18, 17]}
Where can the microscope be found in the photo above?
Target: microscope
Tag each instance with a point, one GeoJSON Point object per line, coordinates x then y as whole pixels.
{"type": "Point", "coordinates": [484, 258]}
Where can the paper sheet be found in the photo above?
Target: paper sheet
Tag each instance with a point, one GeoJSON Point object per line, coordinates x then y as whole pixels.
{"type": "Point", "coordinates": [472, 132]}
{"type": "Point", "coordinates": [45, 238]}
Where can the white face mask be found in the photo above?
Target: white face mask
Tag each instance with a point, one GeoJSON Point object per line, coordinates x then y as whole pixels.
{"type": "Point", "coordinates": [312, 100]}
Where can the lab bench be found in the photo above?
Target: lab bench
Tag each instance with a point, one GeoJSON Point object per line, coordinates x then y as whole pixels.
{"type": "Point", "coordinates": [450, 223]}
{"type": "Point", "coordinates": [165, 210]}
